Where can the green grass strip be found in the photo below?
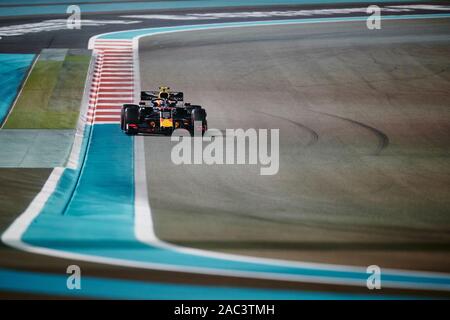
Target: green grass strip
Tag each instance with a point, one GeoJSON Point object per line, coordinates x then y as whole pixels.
{"type": "Point", "coordinates": [51, 97]}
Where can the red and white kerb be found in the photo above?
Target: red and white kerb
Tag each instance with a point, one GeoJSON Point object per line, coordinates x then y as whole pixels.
{"type": "Point", "coordinates": [113, 81]}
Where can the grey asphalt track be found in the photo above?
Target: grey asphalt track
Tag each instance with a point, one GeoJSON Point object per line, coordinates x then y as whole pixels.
{"type": "Point", "coordinates": [364, 142]}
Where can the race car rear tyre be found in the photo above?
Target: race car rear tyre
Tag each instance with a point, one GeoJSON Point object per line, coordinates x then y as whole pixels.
{"type": "Point", "coordinates": [122, 114]}
{"type": "Point", "coordinates": [198, 115]}
{"type": "Point", "coordinates": [131, 117]}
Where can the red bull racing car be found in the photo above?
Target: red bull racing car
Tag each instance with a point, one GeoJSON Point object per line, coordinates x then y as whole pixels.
{"type": "Point", "coordinates": [161, 112]}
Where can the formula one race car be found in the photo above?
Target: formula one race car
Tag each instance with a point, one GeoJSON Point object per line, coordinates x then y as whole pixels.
{"type": "Point", "coordinates": [161, 112]}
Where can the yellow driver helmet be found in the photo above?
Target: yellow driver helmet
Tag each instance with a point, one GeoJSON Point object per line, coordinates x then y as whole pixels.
{"type": "Point", "coordinates": [164, 92]}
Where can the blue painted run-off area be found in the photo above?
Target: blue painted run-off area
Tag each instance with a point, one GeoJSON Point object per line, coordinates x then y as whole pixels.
{"type": "Point", "coordinates": [41, 7]}
{"type": "Point", "coordinates": [131, 34]}
{"type": "Point", "coordinates": [13, 69]}
{"type": "Point", "coordinates": [95, 287]}
{"type": "Point", "coordinates": [175, 3]}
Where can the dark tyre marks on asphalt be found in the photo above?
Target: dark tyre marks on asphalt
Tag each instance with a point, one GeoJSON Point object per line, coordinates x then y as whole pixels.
{"type": "Point", "coordinates": [383, 139]}
{"type": "Point", "coordinates": [314, 136]}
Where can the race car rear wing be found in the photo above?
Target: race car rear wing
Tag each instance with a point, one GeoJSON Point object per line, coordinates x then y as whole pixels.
{"type": "Point", "coordinates": [152, 95]}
